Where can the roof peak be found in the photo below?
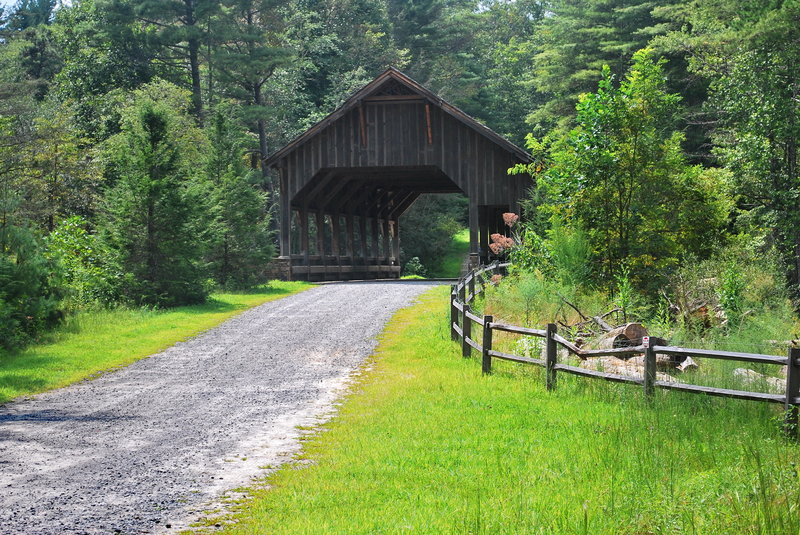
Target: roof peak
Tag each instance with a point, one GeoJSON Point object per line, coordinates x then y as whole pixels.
{"type": "Point", "coordinates": [374, 87]}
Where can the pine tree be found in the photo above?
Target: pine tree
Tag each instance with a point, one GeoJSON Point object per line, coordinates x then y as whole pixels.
{"type": "Point", "coordinates": [242, 246]}
{"type": "Point", "coordinates": [156, 217]}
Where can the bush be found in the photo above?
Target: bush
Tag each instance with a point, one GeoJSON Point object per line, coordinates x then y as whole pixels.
{"type": "Point", "coordinates": [30, 301]}
{"type": "Point", "coordinates": [88, 276]}
{"type": "Point", "coordinates": [414, 268]}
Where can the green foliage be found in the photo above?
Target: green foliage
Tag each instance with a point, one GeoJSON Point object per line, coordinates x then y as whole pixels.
{"type": "Point", "coordinates": [89, 278]}
{"type": "Point", "coordinates": [580, 39]}
{"type": "Point", "coordinates": [621, 175]}
{"type": "Point", "coordinates": [414, 268]}
{"type": "Point", "coordinates": [241, 246]}
{"type": "Point", "coordinates": [29, 289]}
{"type": "Point", "coordinates": [429, 226]}
{"type": "Point", "coordinates": [156, 217]}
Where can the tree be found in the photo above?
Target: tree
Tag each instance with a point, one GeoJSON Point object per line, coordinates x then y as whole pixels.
{"type": "Point", "coordinates": [29, 297]}
{"type": "Point", "coordinates": [576, 41]}
{"type": "Point", "coordinates": [31, 13]}
{"type": "Point", "coordinates": [621, 176]}
{"type": "Point", "coordinates": [176, 29]}
{"type": "Point", "coordinates": [748, 50]}
{"type": "Point", "coordinates": [251, 50]}
{"type": "Point", "coordinates": [242, 246]}
{"type": "Point", "coordinates": [156, 219]}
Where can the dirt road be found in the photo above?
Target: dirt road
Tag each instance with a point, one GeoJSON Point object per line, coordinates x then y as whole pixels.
{"type": "Point", "coordinates": [153, 444]}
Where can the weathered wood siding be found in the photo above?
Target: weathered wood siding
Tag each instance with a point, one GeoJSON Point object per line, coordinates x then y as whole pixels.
{"type": "Point", "coordinates": [396, 136]}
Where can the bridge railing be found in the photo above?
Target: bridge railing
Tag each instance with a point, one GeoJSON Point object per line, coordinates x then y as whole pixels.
{"type": "Point", "coordinates": [463, 318]}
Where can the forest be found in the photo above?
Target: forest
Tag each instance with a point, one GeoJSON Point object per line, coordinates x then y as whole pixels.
{"type": "Point", "coordinates": [664, 136]}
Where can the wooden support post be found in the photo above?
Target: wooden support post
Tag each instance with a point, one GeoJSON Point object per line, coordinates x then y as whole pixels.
{"type": "Point", "coordinates": [453, 312]}
{"type": "Point", "coordinates": [351, 237]}
{"type": "Point", "coordinates": [792, 392]}
{"type": "Point", "coordinates": [387, 243]}
{"type": "Point", "coordinates": [286, 217]}
{"type": "Point", "coordinates": [304, 239]}
{"type": "Point", "coordinates": [649, 372]}
{"type": "Point", "coordinates": [362, 220]}
{"type": "Point", "coordinates": [466, 327]}
{"type": "Point", "coordinates": [474, 258]}
{"type": "Point", "coordinates": [397, 241]}
{"type": "Point", "coordinates": [486, 364]}
{"type": "Point", "coordinates": [551, 356]}
{"type": "Point", "coordinates": [375, 238]}
{"type": "Point", "coordinates": [336, 249]}
{"type": "Point", "coordinates": [320, 215]}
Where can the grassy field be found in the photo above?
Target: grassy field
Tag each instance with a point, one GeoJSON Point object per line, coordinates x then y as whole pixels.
{"type": "Point", "coordinates": [450, 264]}
{"type": "Point", "coordinates": [92, 342]}
{"type": "Point", "coordinates": [426, 444]}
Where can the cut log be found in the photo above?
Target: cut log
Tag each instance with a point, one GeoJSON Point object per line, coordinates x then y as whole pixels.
{"type": "Point", "coordinates": [602, 323]}
{"type": "Point", "coordinates": [629, 335]}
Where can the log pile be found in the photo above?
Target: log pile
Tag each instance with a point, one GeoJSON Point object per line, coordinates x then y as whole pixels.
{"type": "Point", "coordinates": [596, 332]}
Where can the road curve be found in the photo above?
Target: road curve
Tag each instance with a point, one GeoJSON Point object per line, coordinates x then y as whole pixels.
{"type": "Point", "coordinates": [143, 449]}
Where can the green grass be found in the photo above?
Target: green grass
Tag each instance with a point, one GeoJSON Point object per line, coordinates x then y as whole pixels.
{"type": "Point", "coordinates": [426, 444]}
{"type": "Point", "coordinates": [92, 342]}
{"type": "Point", "coordinates": [451, 261]}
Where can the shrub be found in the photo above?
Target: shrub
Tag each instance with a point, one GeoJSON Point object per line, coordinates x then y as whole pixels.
{"type": "Point", "coordinates": [89, 279]}
{"type": "Point", "coordinates": [29, 297]}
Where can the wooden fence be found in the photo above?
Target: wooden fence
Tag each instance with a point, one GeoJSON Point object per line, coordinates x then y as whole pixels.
{"type": "Point", "coordinates": [462, 319]}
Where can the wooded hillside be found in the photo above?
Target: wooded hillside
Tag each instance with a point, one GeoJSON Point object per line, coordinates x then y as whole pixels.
{"type": "Point", "coordinates": [132, 133]}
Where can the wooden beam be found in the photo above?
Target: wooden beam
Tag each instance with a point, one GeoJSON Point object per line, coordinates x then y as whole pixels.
{"type": "Point", "coordinates": [428, 121]}
{"type": "Point", "coordinates": [318, 187]}
{"type": "Point", "coordinates": [402, 207]}
{"type": "Point", "coordinates": [363, 125]}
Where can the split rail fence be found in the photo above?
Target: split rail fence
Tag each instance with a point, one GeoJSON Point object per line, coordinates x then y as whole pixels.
{"type": "Point", "coordinates": [462, 319]}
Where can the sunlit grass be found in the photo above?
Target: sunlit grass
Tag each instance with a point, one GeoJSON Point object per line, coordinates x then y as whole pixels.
{"type": "Point", "coordinates": [452, 259]}
{"type": "Point", "coordinates": [426, 444]}
{"type": "Point", "coordinates": [93, 342]}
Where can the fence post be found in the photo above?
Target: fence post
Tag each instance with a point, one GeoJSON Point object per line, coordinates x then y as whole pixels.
{"type": "Point", "coordinates": [462, 294]}
{"type": "Point", "coordinates": [649, 371]}
{"type": "Point", "coordinates": [466, 328]}
{"type": "Point", "coordinates": [472, 286]}
{"type": "Point", "coordinates": [792, 392]}
{"type": "Point", "coordinates": [453, 312]}
{"type": "Point", "coordinates": [487, 344]}
{"type": "Point", "coordinates": [552, 356]}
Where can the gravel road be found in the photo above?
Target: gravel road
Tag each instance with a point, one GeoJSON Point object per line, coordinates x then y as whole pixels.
{"type": "Point", "coordinates": [148, 448]}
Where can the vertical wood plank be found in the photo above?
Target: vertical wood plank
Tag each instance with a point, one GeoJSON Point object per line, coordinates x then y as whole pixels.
{"type": "Point", "coordinates": [649, 372]}
{"type": "Point", "coordinates": [466, 327]}
{"type": "Point", "coordinates": [453, 312]}
{"type": "Point", "coordinates": [551, 357]}
{"type": "Point", "coordinates": [792, 392]}
{"type": "Point", "coordinates": [486, 360]}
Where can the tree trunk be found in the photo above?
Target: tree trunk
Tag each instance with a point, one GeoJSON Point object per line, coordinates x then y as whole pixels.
{"type": "Point", "coordinates": [194, 62]}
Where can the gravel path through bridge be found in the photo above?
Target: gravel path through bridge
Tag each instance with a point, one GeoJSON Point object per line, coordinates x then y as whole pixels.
{"type": "Point", "coordinates": [147, 448]}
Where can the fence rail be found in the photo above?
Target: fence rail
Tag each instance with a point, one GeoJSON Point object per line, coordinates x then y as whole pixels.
{"type": "Point", "coordinates": [462, 318]}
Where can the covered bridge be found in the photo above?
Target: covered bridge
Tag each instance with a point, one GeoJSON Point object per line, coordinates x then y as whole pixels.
{"type": "Point", "coordinates": [345, 182]}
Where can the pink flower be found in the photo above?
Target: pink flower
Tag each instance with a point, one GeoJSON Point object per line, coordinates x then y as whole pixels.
{"type": "Point", "coordinates": [510, 218]}
{"type": "Point", "coordinates": [496, 249]}
{"type": "Point", "coordinates": [495, 280]}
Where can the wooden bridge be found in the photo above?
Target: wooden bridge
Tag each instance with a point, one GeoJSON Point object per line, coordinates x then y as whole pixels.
{"type": "Point", "coordinates": [345, 182]}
